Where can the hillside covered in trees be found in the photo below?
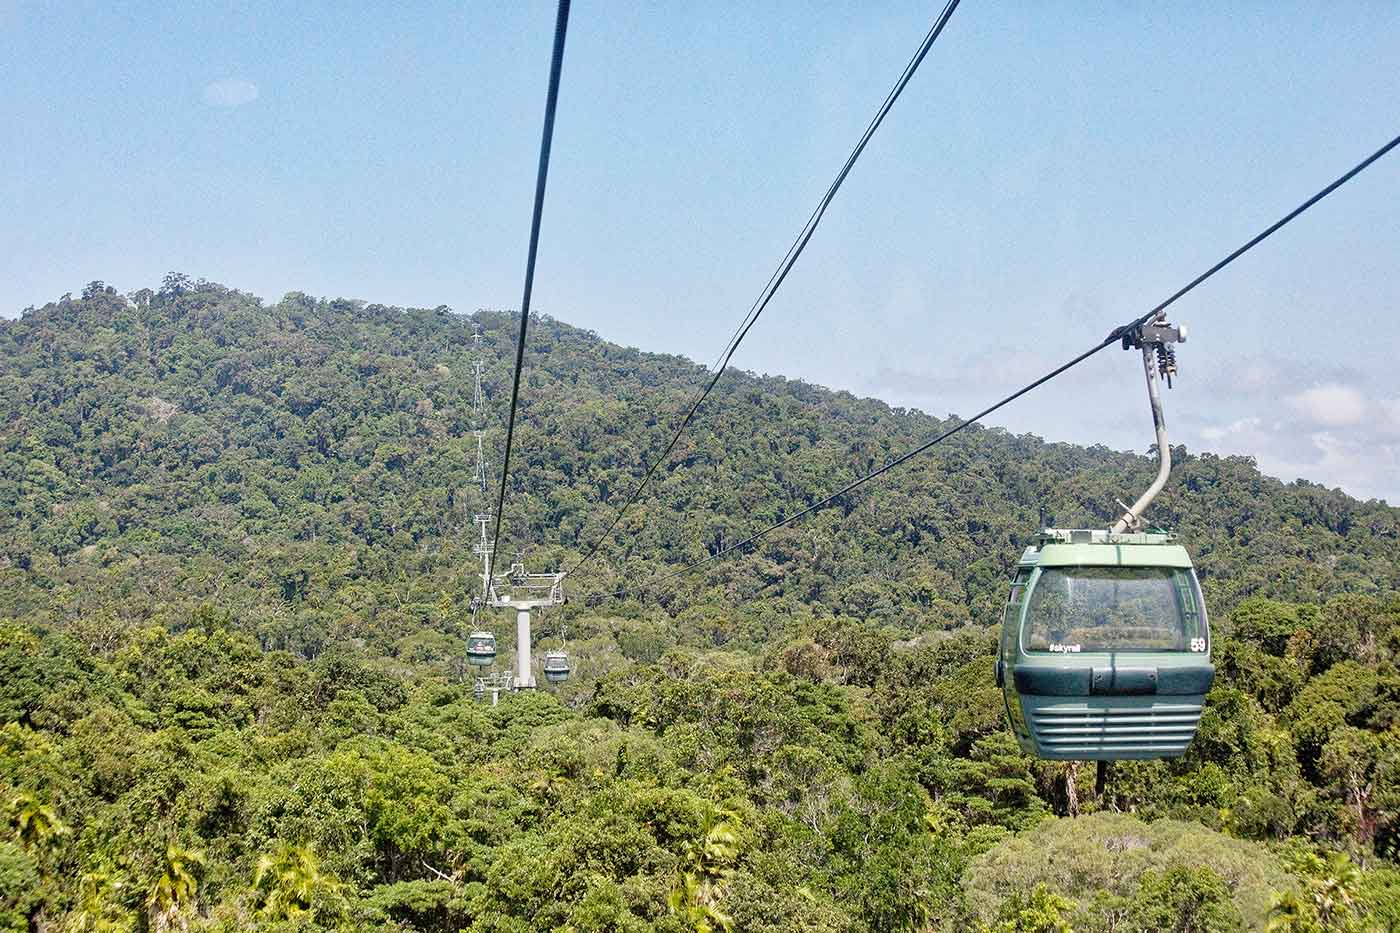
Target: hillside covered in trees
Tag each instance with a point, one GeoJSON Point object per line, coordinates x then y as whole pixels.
{"type": "Point", "coordinates": [235, 577]}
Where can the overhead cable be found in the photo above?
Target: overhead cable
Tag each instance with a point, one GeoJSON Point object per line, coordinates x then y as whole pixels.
{"type": "Point", "coordinates": [1264, 234]}
{"type": "Point", "coordinates": [561, 25]}
{"type": "Point", "coordinates": [775, 281]}
{"type": "Point", "coordinates": [1113, 337]}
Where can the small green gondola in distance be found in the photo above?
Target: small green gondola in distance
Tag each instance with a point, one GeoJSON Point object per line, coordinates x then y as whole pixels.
{"type": "Point", "coordinates": [481, 648]}
{"type": "Point", "coordinates": [556, 666]}
{"type": "Point", "coordinates": [1105, 645]}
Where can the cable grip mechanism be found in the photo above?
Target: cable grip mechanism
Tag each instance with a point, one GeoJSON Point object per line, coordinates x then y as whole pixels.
{"type": "Point", "coordinates": [1159, 336]}
{"type": "Point", "coordinates": [1155, 339]}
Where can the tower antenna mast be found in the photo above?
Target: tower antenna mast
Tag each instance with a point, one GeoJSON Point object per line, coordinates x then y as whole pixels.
{"type": "Point", "coordinates": [478, 412]}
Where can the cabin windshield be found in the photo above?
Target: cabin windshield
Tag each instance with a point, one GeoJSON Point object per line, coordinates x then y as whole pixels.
{"type": "Point", "coordinates": [1076, 609]}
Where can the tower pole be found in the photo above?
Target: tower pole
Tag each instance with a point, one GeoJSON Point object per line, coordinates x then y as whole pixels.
{"type": "Point", "coordinates": [524, 678]}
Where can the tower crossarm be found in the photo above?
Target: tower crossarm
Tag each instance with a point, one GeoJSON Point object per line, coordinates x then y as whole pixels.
{"type": "Point", "coordinates": [521, 590]}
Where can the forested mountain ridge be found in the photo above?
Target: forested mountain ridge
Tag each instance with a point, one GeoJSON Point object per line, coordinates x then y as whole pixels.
{"type": "Point", "coordinates": [193, 441]}
{"type": "Point", "coordinates": [235, 563]}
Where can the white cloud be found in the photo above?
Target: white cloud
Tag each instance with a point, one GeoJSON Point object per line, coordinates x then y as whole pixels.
{"type": "Point", "coordinates": [1262, 374]}
{"type": "Point", "coordinates": [230, 92]}
{"type": "Point", "coordinates": [1340, 437]}
{"type": "Point", "coordinates": [1331, 405]}
{"type": "Point", "coordinates": [1233, 429]}
{"type": "Point", "coordinates": [1326, 427]}
{"type": "Point", "coordinates": [1335, 431]}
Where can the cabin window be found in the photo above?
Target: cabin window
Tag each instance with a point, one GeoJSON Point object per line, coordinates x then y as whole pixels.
{"type": "Point", "coordinates": [1079, 609]}
{"type": "Point", "coordinates": [1011, 617]}
{"type": "Point", "coordinates": [1013, 602]}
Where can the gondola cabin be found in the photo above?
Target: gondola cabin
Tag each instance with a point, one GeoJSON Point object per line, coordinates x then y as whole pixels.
{"type": "Point", "coordinates": [1105, 647]}
{"type": "Point", "coordinates": [556, 666]}
{"type": "Point", "coordinates": [481, 649]}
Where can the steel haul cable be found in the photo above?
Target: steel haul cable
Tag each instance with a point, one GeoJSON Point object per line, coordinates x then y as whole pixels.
{"type": "Point", "coordinates": [1112, 338]}
{"type": "Point", "coordinates": [775, 281]}
{"type": "Point", "coordinates": [561, 25]}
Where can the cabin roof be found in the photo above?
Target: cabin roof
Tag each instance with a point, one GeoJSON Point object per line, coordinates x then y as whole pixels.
{"type": "Point", "coordinates": [1094, 548]}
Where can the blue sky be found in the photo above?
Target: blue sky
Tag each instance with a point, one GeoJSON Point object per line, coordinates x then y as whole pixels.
{"type": "Point", "coordinates": [1053, 169]}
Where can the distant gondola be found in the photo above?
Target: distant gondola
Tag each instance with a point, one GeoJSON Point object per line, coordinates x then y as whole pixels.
{"type": "Point", "coordinates": [481, 649]}
{"type": "Point", "coordinates": [556, 666]}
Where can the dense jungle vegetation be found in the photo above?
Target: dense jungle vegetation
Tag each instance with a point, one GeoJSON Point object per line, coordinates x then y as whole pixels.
{"type": "Point", "coordinates": [235, 571]}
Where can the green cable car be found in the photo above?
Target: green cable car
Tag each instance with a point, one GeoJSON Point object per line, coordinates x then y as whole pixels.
{"type": "Point", "coordinates": [1105, 646]}
{"type": "Point", "coordinates": [481, 649]}
{"type": "Point", "coordinates": [1105, 650]}
{"type": "Point", "coordinates": [556, 666]}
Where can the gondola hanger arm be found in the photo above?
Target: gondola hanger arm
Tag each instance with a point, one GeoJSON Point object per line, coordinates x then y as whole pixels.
{"type": "Point", "coordinates": [1155, 338]}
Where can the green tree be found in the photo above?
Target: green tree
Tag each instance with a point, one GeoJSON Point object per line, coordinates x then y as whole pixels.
{"type": "Point", "coordinates": [1350, 762]}
{"type": "Point", "coordinates": [36, 824]}
{"type": "Point", "coordinates": [1183, 900]}
{"type": "Point", "coordinates": [706, 862]}
{"type": "Point", "coordinates": [289, 882]}
{"type": "Point", "coordinates": [1292, 913]}
{"type": "Point", "coordinates": [20, 888]}
{"type": "Point", "coordinates": [1041, 911]}
{"type": "Point", "coordinates": [174, 892]}
{"type": "Point", "coordinates": [1333, 883]}
{"type": "Point", "coordinates": [99, 908]}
